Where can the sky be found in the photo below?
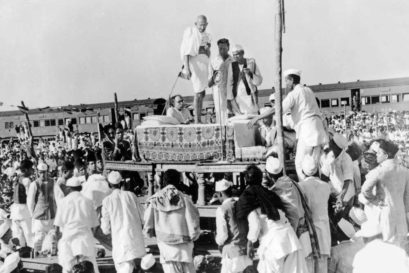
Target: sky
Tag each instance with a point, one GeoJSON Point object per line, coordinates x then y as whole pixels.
{"type": "Point", "coordinates": [59, 52]}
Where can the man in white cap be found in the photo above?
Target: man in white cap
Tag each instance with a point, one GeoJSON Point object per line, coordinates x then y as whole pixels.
{"type": "Point", "coordinates": [337, 165]}
{"type": "Point", "coordinates": [244, 77]}
{"type": "Point", "coordinates": [76, 217]}
{"type": "Point", "coordinates": [307, 118]}
{"type": "Point", "coordinates": [41, 204]}
{"type": "Point", "coordinates": [316, 193]}
{"type": "Point", "coordinates": [195, 53]}
{"type": "Point", "coordinates": [284, 187]}
{"type": "Point", "coordinates": [267, 129]}
{"type": "Point", "coordinates": [230, 235]}
{"type": "Point", "coordinates": [122, 217]}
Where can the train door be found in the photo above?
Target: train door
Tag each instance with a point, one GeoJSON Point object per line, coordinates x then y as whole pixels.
{"type": "Point", "coordinates": [356, 100]}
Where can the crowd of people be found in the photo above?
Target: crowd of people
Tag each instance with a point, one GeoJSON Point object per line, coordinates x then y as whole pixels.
{"type": "Point", "coordinates": [345, 210]}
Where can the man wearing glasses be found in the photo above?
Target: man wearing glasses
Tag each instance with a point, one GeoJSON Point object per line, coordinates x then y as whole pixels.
{"type": "Point", "coordinates": [178, 111]}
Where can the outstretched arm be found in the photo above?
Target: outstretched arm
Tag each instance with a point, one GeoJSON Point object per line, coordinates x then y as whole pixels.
{"type": "Point", "coordinates": [267, 114]}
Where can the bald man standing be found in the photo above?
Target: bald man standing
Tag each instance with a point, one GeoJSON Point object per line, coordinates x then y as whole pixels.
{"type": "Point", "coordinates": [195, 53]}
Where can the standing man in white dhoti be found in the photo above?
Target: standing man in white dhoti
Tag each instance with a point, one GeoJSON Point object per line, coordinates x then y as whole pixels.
{"type": "Point", "coordinates": [218, 71]}
{"type": "Point", "coordinates": [195, 53]}
{"type": "Point", "coordinates": [76, 217]}
{"type": "Point", "coordinates": [244, 77]}
{"type": "Point", "coordinates": [122, 217]}
{"type": "Point", "coordinates": [307, 118]}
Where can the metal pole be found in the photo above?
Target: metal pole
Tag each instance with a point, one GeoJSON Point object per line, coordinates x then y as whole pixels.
{"type": "Point", "coordinates": [278, 48]}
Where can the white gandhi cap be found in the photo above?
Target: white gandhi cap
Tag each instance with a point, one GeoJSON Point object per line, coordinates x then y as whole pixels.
{"type": "Point", "coordinates": [273, 165]}
{"type": "Point", "coordinates": [74, 182]}
{"type": "Point", "coordinates": [237, 48]}
{"type": "Point", "coordinates": [114, 177]}
{"type": "Point", "coordinates": [223, 185]}
{"type": "Point", "coordinates": [292, 71]}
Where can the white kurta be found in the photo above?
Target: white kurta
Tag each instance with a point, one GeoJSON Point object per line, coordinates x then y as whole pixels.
{"type": "Point", "coordinates": [339, 171]}
{"type": "Point", "coordinates": [76, 216]}
{"type": "Point", "coordinates": [221, 67]}
{"type": "Point", "coordinates": [198, 63]}
{"type": "Point", "coordinates": [122, 216]}
{"type": "Point", "coordinates": [317, 193]}
{"type": "Point", "coordinates": [306, 115]}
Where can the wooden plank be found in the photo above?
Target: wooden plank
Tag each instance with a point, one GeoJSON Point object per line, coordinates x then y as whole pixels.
{"type": "Point", "coordinates": [235, 167]}
{"type": "Point", "coordinates": [207, 211]}
{"type": "Point", "coordinates": [129, 166]}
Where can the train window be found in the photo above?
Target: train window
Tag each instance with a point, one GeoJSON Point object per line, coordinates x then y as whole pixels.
{"type": "Point", "coordinates": [106, 118]}
{"type": "Point", "coordinates": [36, 123]}
{"type": "Point", "coordinates": [6, 125]}
{"type": "Point", "coordinates": [385, 99]}
{"type": "Point", "coordinates": [47, 122]}
{"type": "Point", "coordinates": [334, 103]}
{"type": "Point", "coordinates": [52, 122]}
{"type": "Point", "coordinates": [82, 120]}
{"type": "Point", "coordinates": [141, 116]}
{"type": "Point", "coordinates": [73, 121]}
{"type": "Point", "coordinates": [136, 116]}
{"type": "Point", "coordinates": [365, 100]}
{"type": "Point", "coordinates": [88, 120]}
{"type": "Point", "coordinates": [60, 121]}
{"type": "Point", "coordinates": [344, 101]}
{"type": "Point", "coordinates": [405, 97]}
{"type": "Point", "coordinates": [94, 119]}
{"type": "Point", "coordinates": [374, 99]}
{"type": "Point", "coordinates": [325, 103]}
{"type": "Point", "coordinates": [395, 98]}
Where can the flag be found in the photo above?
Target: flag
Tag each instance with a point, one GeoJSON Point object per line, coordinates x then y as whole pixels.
{"type": "Point", "coordinates": [23, 109]}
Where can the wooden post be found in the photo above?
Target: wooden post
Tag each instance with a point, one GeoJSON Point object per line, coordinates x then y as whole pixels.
{"type": "Point", "coordinates": [151, 183]}
{"type": "Point", "coordinates": [201, 201]}
{"type": "Point", "coordinates": [278, 48]}
{"type": "Point", "coordinates": [116, 108]}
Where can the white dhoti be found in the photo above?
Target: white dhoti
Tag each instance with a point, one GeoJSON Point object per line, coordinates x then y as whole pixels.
{"type": "Point", "coordinates": [220, 105]}
{"type": "Point", "coordinates": [236, 264]}
{"type": "Point", "coordinates": [40, 229]}
{"type": "Point", "coordinates": [199, 67]}
{"type": "Point", "coordinates": [125, 267]}
{"type": "Point", "coordinates": [311, 136]}
{"type": "Point", "coordinates": [176, 258]}
{"type": "Point", "coordinates": [245, 101]}
{"type": "Point", "coordinates": [79, 244]}
{"type": "Point", "coordinates": [21, 224]}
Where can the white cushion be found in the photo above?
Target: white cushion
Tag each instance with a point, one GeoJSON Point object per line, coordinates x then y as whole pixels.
{"type": "Point", "coordinates": [163, 120]}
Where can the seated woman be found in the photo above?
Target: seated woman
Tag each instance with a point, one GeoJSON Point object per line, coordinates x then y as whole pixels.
{"type": "Point", "coordinates": [178, 111]}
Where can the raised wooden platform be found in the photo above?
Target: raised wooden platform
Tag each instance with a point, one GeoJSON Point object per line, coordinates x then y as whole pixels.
{"type": "Point", "coordinates": [198, 167]}
{"type": "Point", "coordinates": [50, 265]}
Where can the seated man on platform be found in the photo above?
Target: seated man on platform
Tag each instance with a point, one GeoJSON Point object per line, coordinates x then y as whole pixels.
{"type": "Point", "coordinates": [178, 111]}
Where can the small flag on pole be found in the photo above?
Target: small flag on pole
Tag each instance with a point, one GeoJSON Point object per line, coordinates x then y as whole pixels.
{"type": "Point", "coordinates": [23, 109]}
